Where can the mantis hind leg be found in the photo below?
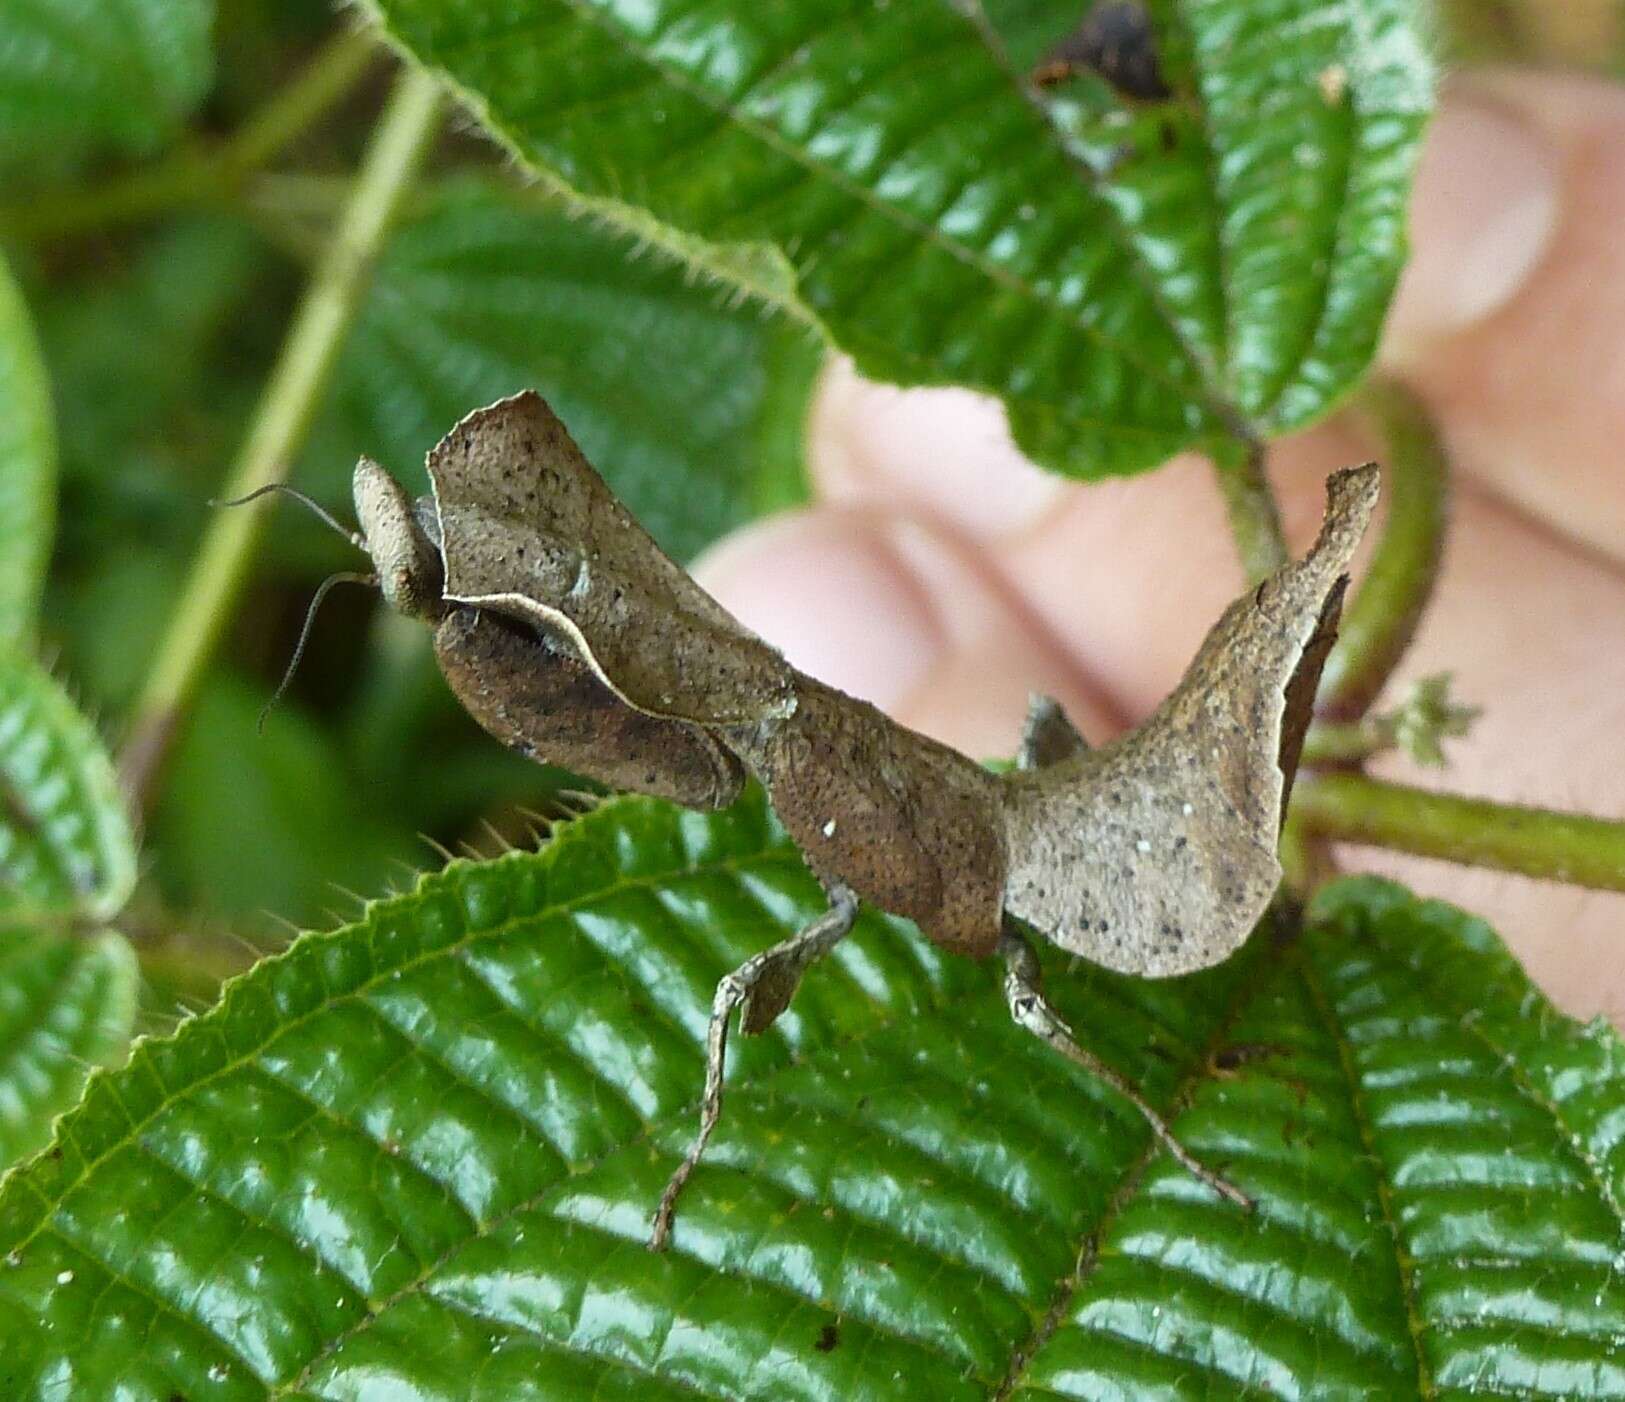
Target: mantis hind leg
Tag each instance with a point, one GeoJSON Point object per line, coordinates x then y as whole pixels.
{"type": "Point", "coordinates": [1048, 737]}
{"type": "Point", "coordinates": [761, 988]}
{"type": "Point", "coordinates": [1023, 992]}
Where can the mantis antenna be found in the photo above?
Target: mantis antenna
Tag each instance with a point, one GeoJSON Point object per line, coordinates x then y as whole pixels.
{"type": "Point", "coordinates": [346, 577]}
{"type": "Point", "coordinates": [322, 589]}
{"type": "Point", "coordinates": [314, 506]}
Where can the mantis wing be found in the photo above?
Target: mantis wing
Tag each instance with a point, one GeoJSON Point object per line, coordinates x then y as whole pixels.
{"type": "Point", "coordinates": [538, 697]}
{"type": "Point", "coordinates": [529, 529]}
{"type": "Point", "coordinates": [1156, 855]}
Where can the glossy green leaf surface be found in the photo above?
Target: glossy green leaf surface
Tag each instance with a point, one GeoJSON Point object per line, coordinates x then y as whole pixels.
{"type": "Point", "coordinates": [65, 842]}
{"type": "Point", "coordinates": [1131, 282]}
{"type": "Point", "coordinates": [1268, 198]}
{"type": "Point", "coordinates": [86, 74]}
{"type": "Point", "coordinates": [416, 1158]}
{"type": "Point", "coordinates": [66, 1004]}
{"type": "Point", "coordinates": [27, 466]}
{"type": "Point", "coordinates": [692, 400]}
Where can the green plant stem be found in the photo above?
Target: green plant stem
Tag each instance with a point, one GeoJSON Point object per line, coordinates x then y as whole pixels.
{"type": "Point", "coordinates": [1382, 618]}
{"type": "Point", "coordinates": [280, 422]}
{"type": "Point", "coordinates": [1255, 519]}
{"type": "Point", "coordinates": [198, 174]}
{"type": "Point", "coordinates": [1333, 743]}
{"type": "Point", "coordinates": [1570, 847]}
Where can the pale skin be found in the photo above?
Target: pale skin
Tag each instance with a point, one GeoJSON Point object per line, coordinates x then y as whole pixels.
{"type": "Point", "coordinates": [944, 578]}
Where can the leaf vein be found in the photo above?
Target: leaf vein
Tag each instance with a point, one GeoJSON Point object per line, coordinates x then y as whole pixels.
{"type": "Point", "coordinates": [1335, 1030]}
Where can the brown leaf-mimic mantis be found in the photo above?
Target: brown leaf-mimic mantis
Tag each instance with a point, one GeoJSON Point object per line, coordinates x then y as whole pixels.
{"type": "Point", "coordinates": [567, 633]}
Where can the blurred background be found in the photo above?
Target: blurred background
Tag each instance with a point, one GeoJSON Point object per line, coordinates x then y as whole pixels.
{"type": "Point", "coordinates": [161, 276]}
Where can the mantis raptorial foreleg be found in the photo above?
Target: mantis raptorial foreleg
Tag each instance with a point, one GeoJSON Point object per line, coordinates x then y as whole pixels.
{"type": "Point", "coordinates": [761, 988]}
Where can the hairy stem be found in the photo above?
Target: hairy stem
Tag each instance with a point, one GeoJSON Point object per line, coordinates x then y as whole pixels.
{"type": "Point", "coordinates": [1419, 725]}
{"type": "Point", "coordinates": [1255, 519]}
{"type": "Point", "coordinates": [199, 174]}
{"type": "Point", "coordinates": [1569, 847]}
{"type": "Point", "coordinates": [1333, 743]}
{"type": "Point", "coordinates": [1382, 618]}
{"type": "Point", "coordinates": [280, 422]}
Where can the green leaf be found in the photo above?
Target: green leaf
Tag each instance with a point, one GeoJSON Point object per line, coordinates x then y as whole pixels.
{"type": "Point", "coordinates": [65, 843]}
{"type": "Point", "coordinates": [692, 402]}
{"type": "Point", "coordinates": [27, 466]}
{"type": "Point", "coordinates": [82, 75]}
{"type": "Point", "coordinates": [945, 228]}
{"type": "Point", "coordinates": [65, 1005]}
{"type": "Point", "coordinates": [159, 361]}
{"type": "Point", "coordinates": [416, 1157]}
{"type": "Point", "coordinates": [1268, 200]}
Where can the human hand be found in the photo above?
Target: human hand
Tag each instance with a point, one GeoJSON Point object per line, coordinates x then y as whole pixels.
{"type": "Point", "coordinates": [943, 577]}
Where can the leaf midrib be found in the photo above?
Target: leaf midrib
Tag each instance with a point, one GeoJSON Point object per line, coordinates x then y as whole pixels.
{"type": "Point", "coordinates": [1087, 1255]}
{"type": "Point", "coordinates": [1415, 1325]}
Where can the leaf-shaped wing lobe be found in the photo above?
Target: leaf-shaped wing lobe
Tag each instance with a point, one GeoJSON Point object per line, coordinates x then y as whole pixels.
{"type": "Point", "coordinates": [1300, 691]}
{"type": "Point", "coordinates": [1156, 855]}
{"type": "Point", "coordinates": [537, 696]}
{"type": "Point", "coordinates": [529, 529]}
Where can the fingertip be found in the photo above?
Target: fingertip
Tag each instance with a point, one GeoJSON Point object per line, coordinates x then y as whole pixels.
{"type": "Point", "coordinates": [1528, 394]}
{"type": "Point", "coordinates": [944, 455]}
{"type": "Point", "coordinates": [1487, 203]}
{"type": "Point", "coordinates": [827, 589]}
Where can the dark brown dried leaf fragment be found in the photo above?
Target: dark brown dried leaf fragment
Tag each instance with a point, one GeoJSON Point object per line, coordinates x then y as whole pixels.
{"type": "Point", "coordinates": [1115, 40]}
